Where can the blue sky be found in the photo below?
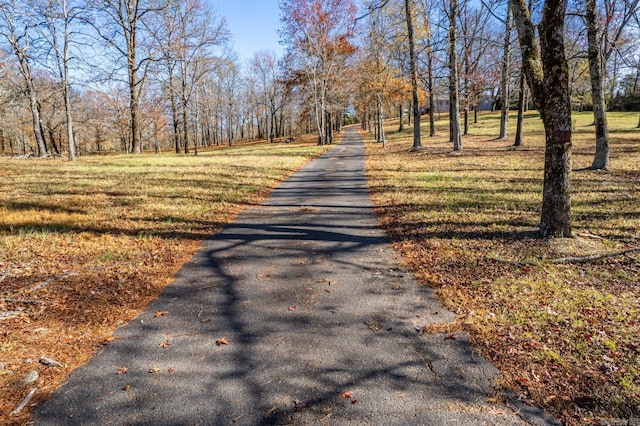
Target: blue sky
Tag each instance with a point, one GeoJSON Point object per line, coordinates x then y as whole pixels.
{"type": "Point", "coordinates": [253, 23]}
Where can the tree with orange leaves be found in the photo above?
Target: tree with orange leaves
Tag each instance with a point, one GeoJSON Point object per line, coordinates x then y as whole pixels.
{"type": "Point", "coordinates": [318, 35]}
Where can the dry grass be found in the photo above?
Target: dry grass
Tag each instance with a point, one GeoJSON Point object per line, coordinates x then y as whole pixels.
{"type": "Point", "coordinates": [85, 246]}
{"type": "Point", "coordinates": [565, 336]}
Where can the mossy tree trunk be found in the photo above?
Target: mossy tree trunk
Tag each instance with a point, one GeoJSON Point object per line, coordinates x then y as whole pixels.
{"type": "Point", "coordinates": [545, 66]}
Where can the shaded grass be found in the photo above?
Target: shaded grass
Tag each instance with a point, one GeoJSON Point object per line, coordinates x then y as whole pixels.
{"type": "Point", "coordinates": [92, 242]}
{"type": "Point", "coordinates": [565, 336]}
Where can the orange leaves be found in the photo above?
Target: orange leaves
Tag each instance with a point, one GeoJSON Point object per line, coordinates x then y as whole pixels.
{"type": "Point", "coordinates": [319, 28]}
{"type": "Point", "coordinates": [222, 341]}
{"type": "Point", "coordinates": [122, 370]}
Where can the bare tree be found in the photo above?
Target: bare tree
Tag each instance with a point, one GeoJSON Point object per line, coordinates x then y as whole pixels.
{"type": "Point", "coordinates": [504, 87]}
{"type": "Point", "coordinates": [454, 82]}
{"type": "Point", "coordinates": [199, 33]}
{"type": "Point", "coordinates": [120, 24]}
{"type": "Point", "coordinates": [58, 19]}
{"type": "Point", "coordinates": [601, 159]}
{"type": "Point", "coordinates": [263, 69]}
{"type": "Point", "coordinates": [17, 30]}
{"type": "Point", "coordinates": [413, 71]}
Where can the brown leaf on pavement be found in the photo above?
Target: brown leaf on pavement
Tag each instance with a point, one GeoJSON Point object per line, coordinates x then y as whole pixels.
{"type": "Point", "coordinates": [222, 341]}
{"type": "Point", "coordinates": [122, 370]}
{"type": "Point", "coordinates": [346, 395]}
{"type": "Point", "coordinates": [160, 314]}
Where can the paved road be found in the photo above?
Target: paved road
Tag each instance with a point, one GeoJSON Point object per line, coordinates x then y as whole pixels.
{"type": "Point", "coordinates": [309, 295]}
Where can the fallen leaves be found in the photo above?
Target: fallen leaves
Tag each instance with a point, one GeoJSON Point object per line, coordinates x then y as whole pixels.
{"type": "Point", "coordinates": [564, 336]}
{"type": "Point", "coordinates": [349, 395]}
{"type": "Point", "coordinates": [122, 370]}
{"type": "Point", "coordinates": [95, 253]}
{"type": "Point", "coordinates": [222, 341]}
{"type": "Point", "coordinates": [164, 344]}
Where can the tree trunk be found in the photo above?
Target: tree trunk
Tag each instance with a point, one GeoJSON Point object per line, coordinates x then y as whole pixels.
{"type": "Point", "coordinates": [381, 132]}
{"type": "Point", "coordinates": [71, 144]}
{"type": "Point", "coordinates": [35, 115]}
{"type": "Point", "coordinates": [174, 111]}
{"type": "Point", "coordinates": [550, 89]}
{"type": "Point", "coordinates": [467, 101]}
{"type": "Point", "coordinates": [52, 138]}
{"type": "Point", "coordinates": [134, 108]}
{"type": "Point", "coordinates": [432, 100]}
{"type": "Point", "coordinates": [401, 128]}
{"type": "Point", "coordinates": [601, 159]}
{"type": "Point", "coordinates": [504, 115]}
{"type": "Point", "coordinates": [454, 90]}
{"type": "Point", "coordinates": [465, 121]}
{"type": "Point", "coordinates": [414, 77]}
{"type": "Point", "coordinates": [185, 125]}
{"type": "Point", "coordinates": [521, 101]}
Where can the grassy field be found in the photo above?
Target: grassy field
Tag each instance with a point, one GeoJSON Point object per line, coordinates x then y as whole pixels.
{"type": "Point", "coordinates": [564, 334]}
{"type": "Point", "coordinates": [85, 246]}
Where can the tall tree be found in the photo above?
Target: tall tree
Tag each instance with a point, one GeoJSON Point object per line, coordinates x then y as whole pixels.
{"type": "Point", "coordinates": [17, 29]}
{"type": "Point", "coordinates": [263, 68]}
{"type": "Point", "coordinates": [58, 18]}
{"type": "Point", "coordinates": [454, 79]}
{"type": "Point", "coordinates": [320, 33]}
{"type": "Point", "coordinates": [429, 80]}
{"type": "Point", "coordinates": [120, 23]}
{"type": "Point", "coordinates": [504, 87]}
{"type": "Point", "coordinates": [601, 158]}
{"type": "Point", "coordinates": [413, 70]}
{"type": "Point", "coordinates": [546, 69]}
{"type": "Point", "coordinates": [518, 141]}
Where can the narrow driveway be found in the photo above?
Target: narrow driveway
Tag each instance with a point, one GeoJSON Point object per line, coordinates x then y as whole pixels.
{"type": "Point", "coordinates": [321, 325]}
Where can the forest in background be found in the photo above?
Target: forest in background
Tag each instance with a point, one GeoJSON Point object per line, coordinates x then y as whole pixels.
{"type": "Point", "coordinates": [149, 75]}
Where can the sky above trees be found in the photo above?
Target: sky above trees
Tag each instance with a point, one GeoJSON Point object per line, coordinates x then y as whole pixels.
{"type": "Point", "coordinates": [253, 23]}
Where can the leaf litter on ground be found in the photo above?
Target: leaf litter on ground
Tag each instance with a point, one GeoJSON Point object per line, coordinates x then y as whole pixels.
{"type": "Point", "coordinates": [94, 241]}
{"type": "Point", "coordinates": [564, 335]}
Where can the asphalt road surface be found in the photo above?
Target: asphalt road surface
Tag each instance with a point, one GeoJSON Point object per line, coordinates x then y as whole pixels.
{"type": "Point", "coordinates": [321, 325]}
